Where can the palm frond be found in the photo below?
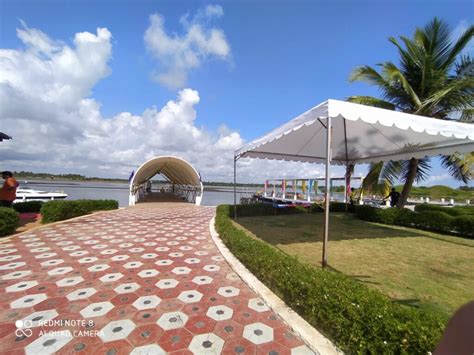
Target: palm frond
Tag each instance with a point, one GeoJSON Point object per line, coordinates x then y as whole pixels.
{"type": "Point", "coordinates": [381, 177]}
{"type": "Point", "coordinates": [394, 74]}
{"type": "Point", "coordinates": [371, 101]}
{"type": "Point", "coordinates": [459, 166]}
{"type": "Point", "coordinates": [458, 46]}
{"type": "Point", "coordinates": [422, 171]}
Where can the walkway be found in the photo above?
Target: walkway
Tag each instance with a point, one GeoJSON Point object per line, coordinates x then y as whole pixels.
{"type": "Point", "coordinates": [138, 280]}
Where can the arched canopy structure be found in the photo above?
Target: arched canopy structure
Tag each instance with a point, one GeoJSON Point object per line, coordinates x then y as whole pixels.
{"type": "Point", "coordinates": [185, 180]}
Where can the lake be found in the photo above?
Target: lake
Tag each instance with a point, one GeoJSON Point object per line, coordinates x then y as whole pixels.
{"type": "Point", "coordinates": [213, 195]}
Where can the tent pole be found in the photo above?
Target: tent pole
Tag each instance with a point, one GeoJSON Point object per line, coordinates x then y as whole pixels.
{"type": "Point", "coordinates": [235, 188]}
{"type": "Point", "coordinates": [326, 202]}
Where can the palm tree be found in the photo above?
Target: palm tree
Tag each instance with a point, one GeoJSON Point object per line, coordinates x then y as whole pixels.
{"type": "Point", "coordinates": [433, 79]}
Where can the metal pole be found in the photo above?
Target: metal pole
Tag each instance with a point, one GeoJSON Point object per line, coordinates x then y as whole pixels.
{"type": "Point", "coordinates": [235, 188]}
{"type": "Point", "coordinates": [326, 209]}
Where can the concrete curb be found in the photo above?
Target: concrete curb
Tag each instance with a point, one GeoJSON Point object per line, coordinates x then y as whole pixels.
{"type": "Point", "coordinates": [313, 339]}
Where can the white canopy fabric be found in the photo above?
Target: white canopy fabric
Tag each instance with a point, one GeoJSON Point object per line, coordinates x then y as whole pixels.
{"type": "Point", "coordinates": [360, 134]}
{"type": "Point", "coordinates": [175, 170]}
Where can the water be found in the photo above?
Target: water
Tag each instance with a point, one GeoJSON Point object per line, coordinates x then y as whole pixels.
{"type": "Point", "coordinates": [213, 196]}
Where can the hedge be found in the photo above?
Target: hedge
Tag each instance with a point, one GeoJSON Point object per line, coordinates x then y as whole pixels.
{"type": "Point", "coordinates": [28, 206]}
{"type": "Point", "coordinates": [453, 211]}
{"type": "Point", "coordinates": [356, 318]}
{"type": "Point", "coordinates": [431, 219]}
{"type": "Point", "coordinates": [265, 209]}
{"type": "Point", "coordinates": [9, 221]}
{"type": "Point", "coordinates": [53, 211]}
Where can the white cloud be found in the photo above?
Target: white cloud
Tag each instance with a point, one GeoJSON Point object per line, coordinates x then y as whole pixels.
{"type": "Point", "coordinates": [177, 54]}
{"type": "Point", "coordinates": [46, 106]}
{"type": "Point", "coordinates": [57, 127]}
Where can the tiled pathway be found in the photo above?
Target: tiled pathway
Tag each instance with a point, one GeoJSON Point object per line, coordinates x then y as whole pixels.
{"type": "Point", "coordinates": [138, 280]}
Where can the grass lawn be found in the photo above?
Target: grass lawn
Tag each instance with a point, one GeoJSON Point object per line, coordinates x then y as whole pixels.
{"type": "Point", "coordinates": [414, 267]}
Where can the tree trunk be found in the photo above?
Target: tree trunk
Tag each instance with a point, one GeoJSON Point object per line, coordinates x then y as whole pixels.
{"type": "Point", "coordinates": [412, 171]}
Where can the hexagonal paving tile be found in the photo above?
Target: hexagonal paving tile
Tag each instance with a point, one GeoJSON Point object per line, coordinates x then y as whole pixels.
{"type": "Point", "coordinates": [258, 333]}
{"type": "Point", "coordinates": [133, 264]}
{"type": "Point", "coordinates": [202, 280]}
{"type": "Point", "coordinates": [211, 268]}
{"type": "Point", "coordinates": [149, 256]}
{"type": "Point", "coordinates": [21, 286]}
{"type": "Point", "coordinates": [258, 305]}
{"type": "Point", "coordinates": [96, 309]}
{"type": "Point", "coordinates": [146, 302]}
{"type": "Point", "coordinates": [117, 330]}
{"type": "Point", "coordinates": [87, 260]}
{"type": "Point", "coordinates": [28, 300]}
{"type": "Point", "coordinates": [164, 262]}
{"type": "Point", "coordinates": [11, 266]}
{"type": "Point", "coordinates": [190, 296]}
{"type": "Point", "coordinates": [60, 271]}
{"type": "Point", "coordinates": [119, 257]}
{"type": "Point", "coordinates": [97, 268]}
{"type": "Point", "coordinates": [228, 291]}
{"type": "Point", "coordinates": [81, 294]}
{"type": "Point", "coordinates": [16, 275]}
{"type": "Point", "coordinates": [172, 320]}
{"type": "Point", "coordinates": [127, 288]}
{"type": "Point", "coordinates": [38, 318]}
{"type": "Point", "coordinates": [53, 262]}
{"type": "Point", "coordinates": [148, 273]}
{"type": "Point", "coordinates": [111, 277]}
{"type": "Point", "coordinates": [220, 312]}
{"type": "Point", "coordinates": [48, 343]}
{"type": "Point", "coordinates": [151, 349]}
{"type": "Point", "coordinates": [208, 343]}
{"type": "Point", "coordinates": [69, 281]}
{"type": "Point", "coordinates": [166, 283]}
{"type": "Point", "coordinates": [192, 261]}
{"type": "Point", "coordinates": [183, 270]}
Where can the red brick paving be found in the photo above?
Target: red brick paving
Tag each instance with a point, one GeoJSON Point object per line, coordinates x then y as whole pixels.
{"type": "Point", "coordinates": [144, 281]}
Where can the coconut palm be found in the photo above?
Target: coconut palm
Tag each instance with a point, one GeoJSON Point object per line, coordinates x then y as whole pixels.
{"type": "Point", "coordinates": [433, 79]}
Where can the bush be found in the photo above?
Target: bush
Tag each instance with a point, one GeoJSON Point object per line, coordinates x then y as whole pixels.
{"type": "Point", "coordinates": [28, 206]}
{"type": "Point", "coordinates": [427, 218]}
{"type": "Point", "coordinates": [9, 221]}
{"type": "Point", "coordinates": [53, 211]}
{"type": "Point", "coordinates": [464, 225]}
{"type": "Point", "coordinates": [453, 211]}
{"type": "Point", "coordinates": [358, 319]}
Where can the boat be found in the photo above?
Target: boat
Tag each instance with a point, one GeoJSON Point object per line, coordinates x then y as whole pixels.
{"type": "Point", "coordinates": [25, 194]}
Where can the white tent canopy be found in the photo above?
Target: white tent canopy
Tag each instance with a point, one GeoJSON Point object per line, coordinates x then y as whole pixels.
{"type": "Point", "coordinates": [357, 134]}
{"type": "Point", "coordinates": [175, 170]}
{"type": "Point", "coordinates": [360, 134]}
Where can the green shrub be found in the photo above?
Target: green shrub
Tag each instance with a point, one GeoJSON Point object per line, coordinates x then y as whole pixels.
{"type": "Point", "coordinates": [378, 215]}
{"type": "Point", "coordinates": [464, 225]}
{"type": "Point", "coordinates": [53, 211]}
{"type": "Point", "coordinates": [358, 319]}
{"type": "Point", "coordinates": [9, 221]}
{"type": "Point", "coordinates": [28, 206]}
{"type": "Point", "coordinates": [434, 220]}
{"type": "Point", "coordinates": [427, 218]}
{"type": "Point", "coordinates": [453, 211]}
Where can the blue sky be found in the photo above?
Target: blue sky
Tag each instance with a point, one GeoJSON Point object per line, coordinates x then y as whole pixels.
{"type": "Point", "coordinates": [283, 57]}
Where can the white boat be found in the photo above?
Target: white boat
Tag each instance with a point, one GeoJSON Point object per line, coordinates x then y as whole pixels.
{"type": "Point", "coordinates": [23, 195]}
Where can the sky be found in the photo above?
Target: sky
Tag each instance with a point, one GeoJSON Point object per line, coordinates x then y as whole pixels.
{"type": "Point", "coordinates": [98, 87]}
